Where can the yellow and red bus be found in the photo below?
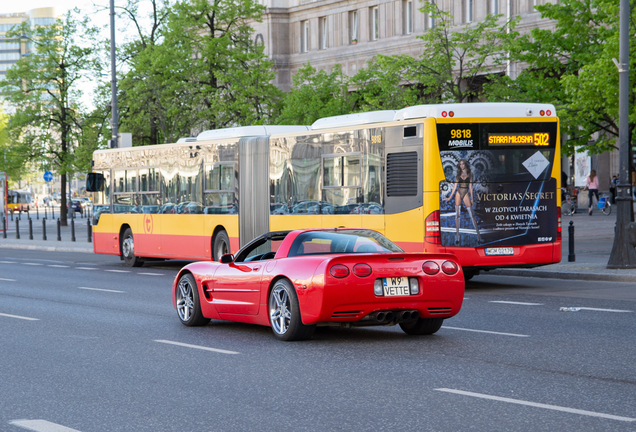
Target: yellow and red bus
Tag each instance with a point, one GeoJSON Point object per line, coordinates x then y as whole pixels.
{"type": "Point", "coordinates": [477, 180]}
{"type": "Point", "coordinates": [18, 201]}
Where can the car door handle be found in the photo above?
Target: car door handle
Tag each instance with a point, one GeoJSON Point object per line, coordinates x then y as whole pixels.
{"type": "Point", "coordinates": [256, 268]}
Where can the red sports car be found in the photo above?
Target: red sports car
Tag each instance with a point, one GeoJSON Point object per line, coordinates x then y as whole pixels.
{"type": "Point", "coordinates": [296, 280]}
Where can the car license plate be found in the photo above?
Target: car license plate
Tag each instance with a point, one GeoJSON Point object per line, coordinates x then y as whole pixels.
{"type": "Point", "coordinates": [500, 251]}
{"type": "Point", "coordinates": [396, 286]}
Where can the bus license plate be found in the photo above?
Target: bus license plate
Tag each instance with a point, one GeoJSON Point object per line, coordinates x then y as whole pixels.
{"type": "Point", "coordinates": [396, 286]}
{"type": "Point", "coordinates": [500, 251]}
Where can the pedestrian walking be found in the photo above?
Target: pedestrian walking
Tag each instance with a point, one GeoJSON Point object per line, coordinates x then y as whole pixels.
{"type": "Point", "coordinates": [591, 184]}
{"type": "Point", "coordinates": [613, 185]}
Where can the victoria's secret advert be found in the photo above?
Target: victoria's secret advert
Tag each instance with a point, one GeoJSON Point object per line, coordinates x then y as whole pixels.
{"type": "Point", "coordinates": [498, 190]}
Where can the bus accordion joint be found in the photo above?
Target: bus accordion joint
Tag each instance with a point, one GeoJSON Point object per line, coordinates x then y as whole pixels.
{"type": "Point", "coordinates": [432, 230]}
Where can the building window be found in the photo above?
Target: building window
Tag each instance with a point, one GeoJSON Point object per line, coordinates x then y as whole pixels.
{"type": "Point", "coordinates": [353, 27]}
{"type": "Point", "coordinates": [469, 11]}
{"type": "Point", "coordinates": [304, 36]}
{"type": "Point", "coordinates": [495, 7]}
{"type": "Point", "coordinates": [374, 26]}
{"type": "Point", "coordinates": [408, 16]}
{"type": "Point", "coordinates": [323, 32]}
{"type": "Point", "coordinates": [431, 19]}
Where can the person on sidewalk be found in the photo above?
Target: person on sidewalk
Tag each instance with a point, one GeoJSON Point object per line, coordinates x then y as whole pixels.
{"type": "Point", "coordinates": [591, 184]}
{"type": "Point", "coordinates": [613, 185]}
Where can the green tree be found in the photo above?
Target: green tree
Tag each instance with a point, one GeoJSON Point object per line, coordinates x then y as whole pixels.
{"type": "Point", "coordinates": [571, 66]}
{"type": "Point", "coordinates": [44, 89]}
{"type": "Point", "coordinates": [316, 94]}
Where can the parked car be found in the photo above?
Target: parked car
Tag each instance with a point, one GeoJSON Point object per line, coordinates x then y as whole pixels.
{"type": "Point", "coordinates": [296, 280]}
{"type": "Point", "coordinates": [86, 202]}
{"type": "Point", "coordinates": [76, 206]}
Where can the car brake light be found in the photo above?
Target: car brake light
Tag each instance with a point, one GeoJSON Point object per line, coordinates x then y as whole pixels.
{"type": "Point", "coordinates": [339, 271]}
{"type": "Point", "coordinates": [361, 270]}
{"type": "Point", "coordinates": [558, 223]}
{"type": "Point", "coordinates": [431, 229]}
{"type": "Point", "coordinates": [430, 268]}
{"type": "Point", "coordinates": [449, 267]}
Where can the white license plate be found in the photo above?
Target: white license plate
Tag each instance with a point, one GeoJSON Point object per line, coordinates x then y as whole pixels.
{"type": "Point", "coordinates": [396, 286]}
{"type": "Point", "coordinates": [500, 251]}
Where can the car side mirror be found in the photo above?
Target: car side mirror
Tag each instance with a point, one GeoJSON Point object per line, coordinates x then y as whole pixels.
{"type": "Point", "coordinates": [94, 182]}
{"type": "Point", "coordinates": [227, 259]}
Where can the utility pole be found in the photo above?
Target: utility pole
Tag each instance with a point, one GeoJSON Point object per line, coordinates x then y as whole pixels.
{"type": "Point", "coordinates": [623, 253]}
{"type": "Point", "coordinates": [113, 72]}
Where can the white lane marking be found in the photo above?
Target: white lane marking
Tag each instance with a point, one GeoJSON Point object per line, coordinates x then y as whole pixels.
{"type": "Point", "coordinates": [8, 280]}
{"type": "Point", "coordinates": [196, 347]}
{"type": "Point", "coordinates": [101, 289]}
{"type": "Point", "coordinates": [486, 331]}
{"type": "Point", "coordinates": [19, 317]}
{"type": "Point", "coordinates": [602, 310]}
{"type": "Point", "coordinates": [57, 266]}
{"type": "Point", "coordinates": [538, 405]}
{"type": "Point", "coordinates": [119, 271]}
{"type": "Point", "coordinates": [85, 268]}
{"type": "Point", "coordinates": [41, 426]}
{"type": "Point", "coordinates": [32, 264]}
{"type": "Point", "coordinates": [516, 303]}
{"type": "Point", "coordinates": [8, 262]}
{"type": "Point", "coordinates": [152, 274]}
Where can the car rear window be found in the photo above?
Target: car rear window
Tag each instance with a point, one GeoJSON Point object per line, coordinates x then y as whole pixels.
{"type": "Point", "coordinates": [341, 242]}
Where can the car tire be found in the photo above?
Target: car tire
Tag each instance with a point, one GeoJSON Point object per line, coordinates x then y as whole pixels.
{"type": "Point", "coordinates": [284, 313]}
{"type": "Point", "coordinates": [188, 303]}
{"type": "Point", "coordinates": [422, 326]}
{"type": "Point", "coordinates": [128, 250]}
{"type": "Point", "coordinates": [221, 245]}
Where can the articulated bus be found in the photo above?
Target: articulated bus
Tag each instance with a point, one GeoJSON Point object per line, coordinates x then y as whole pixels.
{"type": "Point", "coordinates": [477, 180]}
{"type": "Point", "coordinates": [18, 201]}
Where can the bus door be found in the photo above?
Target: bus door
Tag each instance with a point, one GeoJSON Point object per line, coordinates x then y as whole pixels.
{"type": "Point", "coordinates": [254, 193]}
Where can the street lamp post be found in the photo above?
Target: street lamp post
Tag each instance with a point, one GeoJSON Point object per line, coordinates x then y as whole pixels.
{"type": "Point", "coordinates": [623, 253]}
{"type": "Point", "coordinates": [113, 72]}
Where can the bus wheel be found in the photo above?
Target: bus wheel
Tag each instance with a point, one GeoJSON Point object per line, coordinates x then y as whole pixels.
{"type": "Point", "coordinates": [221, 245]}
{"type": "Point", "coordinates": [128, 250]}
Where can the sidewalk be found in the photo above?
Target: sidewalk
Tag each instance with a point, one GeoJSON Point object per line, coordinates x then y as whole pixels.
{"type": "Point", "coordinates": [594, 237]}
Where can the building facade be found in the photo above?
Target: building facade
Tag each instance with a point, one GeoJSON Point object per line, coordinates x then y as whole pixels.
{"type": "Point", "coordinates": [352, 32]}
{"type": "Point", "coordinates": [12, 49]}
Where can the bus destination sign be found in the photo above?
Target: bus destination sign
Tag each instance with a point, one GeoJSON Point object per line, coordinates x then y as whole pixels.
{"type": "Point", "coordinates": [539, 139]}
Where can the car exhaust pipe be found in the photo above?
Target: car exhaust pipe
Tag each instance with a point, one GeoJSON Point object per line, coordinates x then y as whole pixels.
{"type": "Point", "coordinates": [390, 316]}
{"type": "Point", "coordinates": [380, 316]}
{"type": "Point", "coordinates": [415, 315]}
{"type": "Point", "coordinates": [408, 315]}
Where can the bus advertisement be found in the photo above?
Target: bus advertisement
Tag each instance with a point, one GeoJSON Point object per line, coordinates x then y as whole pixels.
{"type": "Point", "coordinates": [477, 180]}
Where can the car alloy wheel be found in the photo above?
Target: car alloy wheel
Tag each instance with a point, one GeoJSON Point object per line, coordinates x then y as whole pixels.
{"type": "Point", "coordinates": [280, 310]}
{"type": "Point", "coordinates": [188, 305]}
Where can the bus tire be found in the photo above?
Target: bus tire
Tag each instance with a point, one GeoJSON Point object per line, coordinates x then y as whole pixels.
{"type": "Point", "coordinates": [221, 245]}
{"type": "Point", "coordinates": [128, 250]}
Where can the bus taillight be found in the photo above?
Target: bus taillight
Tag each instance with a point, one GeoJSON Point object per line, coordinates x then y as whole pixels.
{"type": "Point", "coordinates": [558, 223]}
{"type": "Point", "coordinates": [431, 231]}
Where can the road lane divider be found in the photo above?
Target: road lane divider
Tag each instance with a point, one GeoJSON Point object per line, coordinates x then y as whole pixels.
{"type": "Point", "coordinates": [580, 308]}
{"type": "Point", "coordinates": [118, 271]}
{"type": "Point", "coordinates": [33, 264]}
{"type": "Point", "coordinates": [538, 405]}
{"type": "Point", "coordinates": [86, 268]}
{"type": "Point", "coordinates": [8, 280]}
{"type": "Point", "coordinates": [196, 347]}
{"type": "Point", "coordinates": [152, 274]}
{"type": "Point", "coordinates": [486, 331]}
{"type": "Point", "coordinates": [515, 303]}
{"type": "Point", "coordinates": [100, 289]}
{"type": "Point", "coordinates": [8, 262]}
{"type": "Point", "coordinates": [58, 266]}
{"type": "Point", "coordinates": [19, 317]}
{"type": "Point", "coordinates": [41, 426]}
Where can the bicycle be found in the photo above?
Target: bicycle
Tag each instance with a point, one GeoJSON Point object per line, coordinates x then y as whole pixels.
{"type": "Point", "coordinates": [569, 206]}
{"type": "Point", "coordinates": [604, 205]}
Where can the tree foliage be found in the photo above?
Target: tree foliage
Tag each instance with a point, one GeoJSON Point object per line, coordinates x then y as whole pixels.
{"type": "Point", "coordinates": [48, 125]}
{"type": "Point", "coordinates": [571, 66]}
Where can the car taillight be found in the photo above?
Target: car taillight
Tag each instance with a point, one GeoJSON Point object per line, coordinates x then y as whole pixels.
{"type": "Point", "coordinates": [449, 267]}
{"type": "Point", "coordinates": [558, 223]}
{"type": "Point", "coordinates": [339, 271]}
{"type": "Point", "coordinates": [431, 229]}
{"type": "Point", "coordinates": [430, 268]}
{"type": "Point", "coordinates": [361, 270]}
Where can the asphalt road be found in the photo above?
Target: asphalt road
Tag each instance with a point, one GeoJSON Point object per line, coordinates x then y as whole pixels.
{"type": "Point", "coordinates": [90, 345]}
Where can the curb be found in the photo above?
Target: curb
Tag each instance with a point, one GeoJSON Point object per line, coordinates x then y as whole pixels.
{"type": "Point", "coordinates": [46, 248]}
{"type": "Point", "coordinates": [562, 275]}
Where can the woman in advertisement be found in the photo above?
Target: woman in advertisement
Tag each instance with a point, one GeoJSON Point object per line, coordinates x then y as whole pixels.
{"type": "Point", "coordinates": [464, 188]}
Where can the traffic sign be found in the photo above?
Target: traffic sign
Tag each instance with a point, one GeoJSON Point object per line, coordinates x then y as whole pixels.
{"type": "Point", "coordinates": [48, 176]}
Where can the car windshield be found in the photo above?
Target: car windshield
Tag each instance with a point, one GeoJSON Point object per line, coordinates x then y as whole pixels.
{"type": "Point", "coordinates": [341, 242]}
